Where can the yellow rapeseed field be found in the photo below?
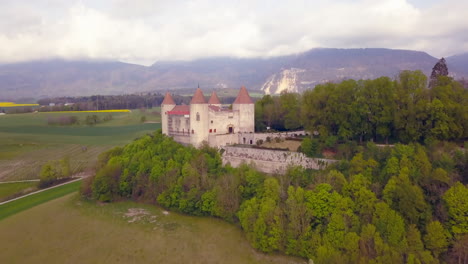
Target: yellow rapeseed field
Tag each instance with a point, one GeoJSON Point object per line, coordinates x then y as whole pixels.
{"type": "Point", "coordinates": [11, 104]}
{"type": "Point", "coordinates": [94, 111]}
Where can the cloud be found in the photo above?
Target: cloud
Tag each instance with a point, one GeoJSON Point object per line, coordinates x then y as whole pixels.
{"type": "Point", "coordinates": [145, 31]}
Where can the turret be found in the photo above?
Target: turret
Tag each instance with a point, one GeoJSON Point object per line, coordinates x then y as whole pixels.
{"type": "Point", "coordinates": [214, 100]}
{"type": "Point", "coordinates": [198, 118]}
{"type": "Point", "coordinates": [246, 108]}
{"type": "Point", "coordinates": [167, 105]}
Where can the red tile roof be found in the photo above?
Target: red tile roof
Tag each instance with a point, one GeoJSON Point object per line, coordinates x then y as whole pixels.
{"type": "Point", "coordinates": [198, 97]}
{"type": "Point", "coordinates": [180, 110]}
{"type": "Point", "coordinates": [168, 100]}
{"type": "Point", "coordinates": [243, 97]}
{"type": "Point", "coordinates": [214, 99]}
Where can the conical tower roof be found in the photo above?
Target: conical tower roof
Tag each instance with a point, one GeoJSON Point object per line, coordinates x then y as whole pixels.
{"type": "Point", "coordinates": [214, 99]}
{"type": "Point", "coordinates": [243, 97]}
{"type": "Point", "coordinates": [198, 97]}
{"type": "Point", "coordinates": [168, 100]}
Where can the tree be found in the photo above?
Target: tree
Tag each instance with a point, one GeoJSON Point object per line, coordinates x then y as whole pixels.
{"type": "Point", "coordinates": [65, 167]}
{"type": "Point", "coordinates": [406, 198]}
{"type": "Point", "coordinates": [436, 239]}
{"type": "Point", "coordinates": [439, 69]}
{"type": "Point", "coordinates": [390, 225]}
{"type": "Point", "coordinates": [290, 108]}
{"type": "Point", "coordinates": [456, 199]}
{"type": "Point", "coordinates": [48, 175]}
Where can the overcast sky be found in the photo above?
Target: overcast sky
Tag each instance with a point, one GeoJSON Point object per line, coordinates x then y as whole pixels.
{"type": "Point", "coordinates": [145, 31]}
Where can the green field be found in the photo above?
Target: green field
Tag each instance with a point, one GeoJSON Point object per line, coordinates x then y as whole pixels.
{"type": "Point", "coordinates": [68, 230]}
{"type": "Point", "coordinates": [27, 141]}
{"type": "Point", "coordinates": [25, 203]}
{"type": "Point", "coordinates": [9, 189]}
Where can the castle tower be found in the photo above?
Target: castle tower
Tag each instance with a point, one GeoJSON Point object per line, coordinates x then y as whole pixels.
{"type": "Point", "coordinates": [167, 105]}
{"type": "Point", "coordinates": [214, 100]}
{"type": "Point", "coordinates": [246, 108]}
{"type": "Point", "coordinates": [198, 119]}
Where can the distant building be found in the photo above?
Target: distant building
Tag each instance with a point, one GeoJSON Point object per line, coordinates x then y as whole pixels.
{"type": "Point", "coordinates": [209, 121]}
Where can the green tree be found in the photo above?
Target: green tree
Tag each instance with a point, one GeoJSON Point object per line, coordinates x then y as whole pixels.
{"type": "Point", "coordinates": [290, 108]}
{"type": "Point", "coordinates": [456, 199]}
{"type": "Point", "coordinates": [436, 239]}
{"type": "Point", "coordinates": [390, 225]}
{"type": "Point", "coordinates": [48, 175]}
{"type": "Point", "coordinates": [65, 167]}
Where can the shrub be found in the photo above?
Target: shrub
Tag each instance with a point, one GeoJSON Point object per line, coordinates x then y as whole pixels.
{"type": "Point", "coordinates": [48, 175]}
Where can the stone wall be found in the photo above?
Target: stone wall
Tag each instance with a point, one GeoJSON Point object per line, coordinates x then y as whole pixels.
{"type": "Point", "coordinates": [273, 135]}
{"type": "Point", "coordinates": [271, 161]}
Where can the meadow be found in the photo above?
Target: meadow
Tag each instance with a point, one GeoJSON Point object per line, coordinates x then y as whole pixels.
{"type": "Point", "coordinates": [70, 230]}
{"type": "Point", "coordinates": [27, 141]}
{"type": "Point", "coordinates": [9, 189]}
{"type": "Point", "coordinates": [32, 200]}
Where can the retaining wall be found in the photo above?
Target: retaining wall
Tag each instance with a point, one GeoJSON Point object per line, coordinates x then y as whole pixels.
{"type": "Point", "coordinates": [271, 161]}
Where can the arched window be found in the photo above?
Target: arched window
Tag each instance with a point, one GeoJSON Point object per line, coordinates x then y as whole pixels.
{"type": "Point", "coordinates": [198, 116]}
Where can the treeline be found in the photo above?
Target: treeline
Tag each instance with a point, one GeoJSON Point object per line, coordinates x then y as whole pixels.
{"type": "Point", "coordinates": [403, 109]}
{"type": "Point", "coordinates": [106, 102]}
{"type": "Point", "coordinates": [66, 120]}
{"type": "Point", "coordinates": [386, 205]}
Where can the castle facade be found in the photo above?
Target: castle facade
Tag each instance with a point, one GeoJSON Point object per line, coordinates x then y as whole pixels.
{"type": "Point", "coordinates": [210, 121]}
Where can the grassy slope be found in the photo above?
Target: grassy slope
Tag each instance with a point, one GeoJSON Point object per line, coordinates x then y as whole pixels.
{"type": "Point", "coordinates": [68, 230]}
{"type": "Point", "coordinates": [8, 189]}
{"type": "Point", "coordinates": [25, 203]}
{"type": "Point", "coordinates": [27, 142]}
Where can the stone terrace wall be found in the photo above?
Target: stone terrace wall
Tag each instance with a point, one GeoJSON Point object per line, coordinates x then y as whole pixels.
{"type": "Point", "coordinates": [271, 161]}
{"type": "Point", "coordinates": [274, 135]}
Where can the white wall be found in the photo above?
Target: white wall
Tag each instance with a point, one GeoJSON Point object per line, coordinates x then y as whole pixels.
{"type": "Point", "coordinates": [164, 117]}
{"type": "Point", "coordinates": [246, 117]}
{"type": "Point", "coordinates": [199, 127]}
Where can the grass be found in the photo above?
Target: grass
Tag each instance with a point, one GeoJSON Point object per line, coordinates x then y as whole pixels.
{"type": "Point", "coordinates": [28, 202]}
{"type": "Point", "coordinates": [9, 189]}
{"type": "Point", "coordinates": [27, 141]}
{"type": "Point", "coordinates": [292, 145]}
{"type": "Point", "coordinates": [68, 230]}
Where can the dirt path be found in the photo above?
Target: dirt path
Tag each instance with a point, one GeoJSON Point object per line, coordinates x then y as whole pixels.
{"type": "Point", "coordinates": [36, 180]}
{"type": "Point", "coordinates": [78, 177]}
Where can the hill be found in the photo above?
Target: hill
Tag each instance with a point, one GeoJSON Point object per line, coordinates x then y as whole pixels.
{"type": "Point", "coordinates": [270, 75]}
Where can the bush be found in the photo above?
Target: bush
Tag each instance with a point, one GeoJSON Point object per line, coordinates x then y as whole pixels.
{"type": "Point", "coordinates": [259, 142]}
{"type": "Point", "coordinates": [48, 175]}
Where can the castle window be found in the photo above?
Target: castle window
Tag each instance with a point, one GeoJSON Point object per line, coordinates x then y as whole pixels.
{"type": "Point", "coordinates": [215, 130]}
{"type": "Point", "coordinates": [193, 131]}
{"type": "Point", "coordinates": [211, 130]}
{"type": "Point", "coordinates": [198, 116]}
{"type": "Point", "coordinates": [211, 121]}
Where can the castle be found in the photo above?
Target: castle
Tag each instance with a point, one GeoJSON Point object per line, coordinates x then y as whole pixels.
{"type": "Point", "coordinates": [209, 121]}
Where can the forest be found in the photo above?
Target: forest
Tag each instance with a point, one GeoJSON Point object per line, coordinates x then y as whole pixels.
{"type": "Point", "coordinates": [406, 203]}
{"type": "Point", "coordinates": [382, 110]}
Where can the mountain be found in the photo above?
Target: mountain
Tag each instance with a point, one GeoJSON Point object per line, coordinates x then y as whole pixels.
{"type": "Point", "coordinates": [270, 75]}
{"type": "Point", "coordinates": [458, 64]}
{"type": "Point", "coordinates": [60, 77]}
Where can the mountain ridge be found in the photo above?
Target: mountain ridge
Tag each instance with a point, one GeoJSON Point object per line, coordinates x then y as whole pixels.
{"type": "Point", "coordinates": [295, 72]}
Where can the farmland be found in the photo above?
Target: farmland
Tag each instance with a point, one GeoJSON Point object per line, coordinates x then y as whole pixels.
{"type": "Point", "coordinates": [35, 199]}
{"type": "Point", "coordinates": [27, 141]}
{"type": "Point", "coordinates": [9, 189]}
{"type": "Point", "coordinates": [69, 230]}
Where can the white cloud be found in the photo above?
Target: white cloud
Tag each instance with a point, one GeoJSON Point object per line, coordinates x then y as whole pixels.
{"type": "Point", "coordinates": [145, 31]}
